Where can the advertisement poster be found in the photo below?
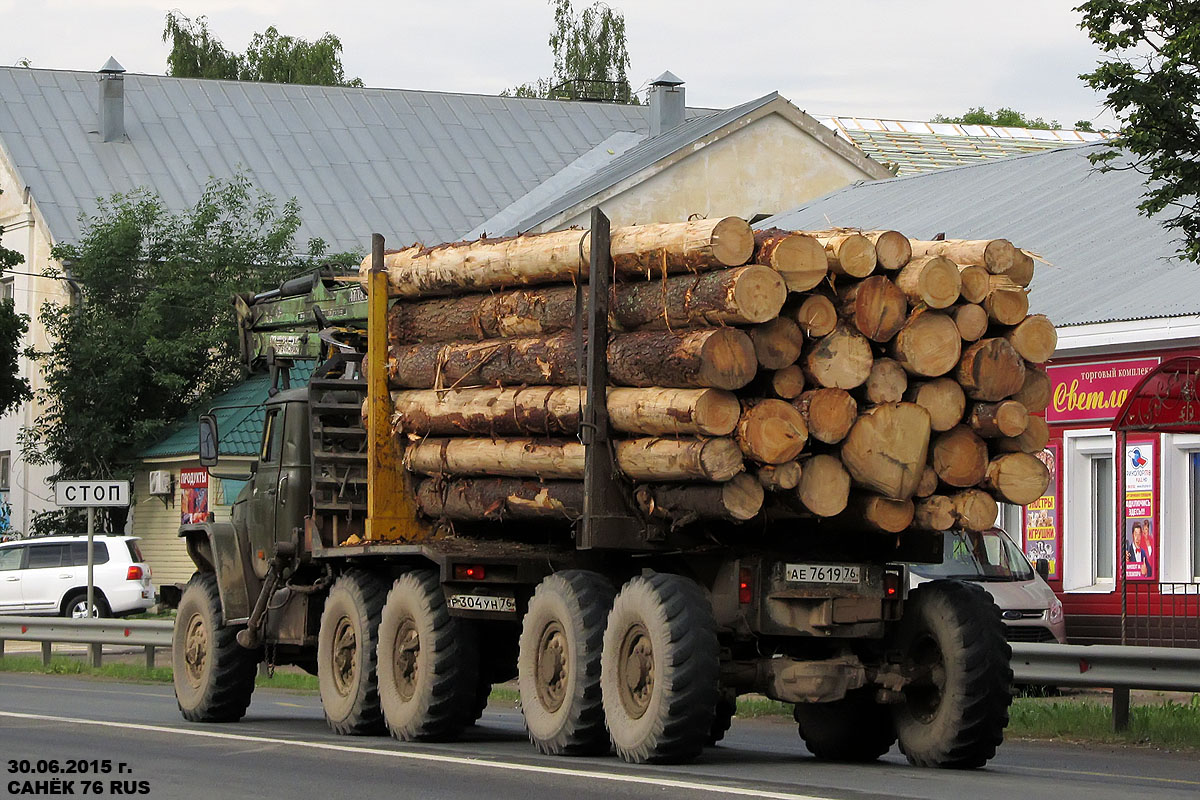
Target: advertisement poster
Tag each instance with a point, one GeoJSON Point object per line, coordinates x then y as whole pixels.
{"type": "Point", "coordinates": [1041, 517]}
{"type": "Point", "coordinates": [1093, 392]}
{"type": "Point", "coordinates": [193, 486]}
{"type": "Point", "coordinates": [1141, 534]}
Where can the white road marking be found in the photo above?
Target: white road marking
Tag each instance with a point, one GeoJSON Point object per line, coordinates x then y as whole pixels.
{"type": "Point", "coordinates": [643, 780]}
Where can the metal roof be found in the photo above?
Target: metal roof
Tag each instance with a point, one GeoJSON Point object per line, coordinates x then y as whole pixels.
{"type": "Point", "coordinates": [239, 413]}
{"type": "Point", "coordinates": [415, 165]}
{"type": "Point", "coordinates": [1107, 262]}
{"type": "Point", "coordinates": [909, 146]}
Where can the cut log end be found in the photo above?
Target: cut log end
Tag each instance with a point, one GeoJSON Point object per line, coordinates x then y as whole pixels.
{"type": "Point", "coordinates": [974, 509]}
{"type": "Point", "coordinates": [971, 321]}
{"type": "Point", "coordinates": [771, 432]}
{"type": "Point", "coordinates": [960, 457]}
{"type": "Point", "coordinates": [892, 248]}
{"type": "Point", "coordinates": [824, 487]}
{"type": "Point", "coordinates": [1018, 478]}
{"type": "Point", "coordinates": [816, 316]}
{"type": "Point", "coordinates": [788, 382]}
{"type": "Point", "coordinates": [886, 449]}
{"type": "Point", "coordinates": [932, 280]}
{"type": "Point", "coordinates": [780, 477]}
{"type": "Point", "coordinates": [1034, 338]}
{"type": "Point", "coordinates": [777, 344]}
{"type": "Point", "coordinates": [800, 260]}
{"type": "Point", "coordinates": [829, 413]}
{"type": "Point", "coordinates": [928, 345]}
{"type": "Point", "coordinates": [732, 241]}
{"type": "Point", "coordinates": [943, 399]}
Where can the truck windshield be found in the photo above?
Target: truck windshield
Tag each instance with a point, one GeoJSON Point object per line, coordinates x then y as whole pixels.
{"type": "Point", "coordinates": [979, 556]}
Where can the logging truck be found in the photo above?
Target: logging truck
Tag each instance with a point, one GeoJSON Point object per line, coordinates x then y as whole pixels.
{"type": "Point", "coordinates": [639, 471]}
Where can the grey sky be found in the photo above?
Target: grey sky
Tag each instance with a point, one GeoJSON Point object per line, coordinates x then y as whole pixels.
{"type": "Point", "coordinates": [870, 58]}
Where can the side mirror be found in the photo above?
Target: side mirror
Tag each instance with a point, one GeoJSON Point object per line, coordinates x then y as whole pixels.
{"type": "Point", "coordinates": [1042, 567]}
{"type": "Point", "coordinates": [208, 440]}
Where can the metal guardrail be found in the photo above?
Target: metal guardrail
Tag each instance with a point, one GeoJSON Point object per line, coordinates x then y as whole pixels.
{"type": "Point", "coordinates": [148, 633]}
{"type": "Point", "coordinates": [1108, 666]}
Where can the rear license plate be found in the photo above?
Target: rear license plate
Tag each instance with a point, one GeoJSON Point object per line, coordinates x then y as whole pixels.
{"type": "Point", "coordinates": [822, 573]}
{"type": "Point", "coordinates": [482, 602]}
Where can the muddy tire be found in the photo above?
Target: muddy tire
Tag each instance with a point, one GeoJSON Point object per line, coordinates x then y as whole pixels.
{"type": "Point", "coordinates": [853, 729]}
{"type": "Point", "coordinates": [213, 675]}
{"type": "Point", "coordinates": [659, 670]}
{"type": "Point", "coordinates": [558, 665]}
{"type": "Point", "coordinates": [346, 647]}
{"type": "Point", "coordinates": [955, 711]}
{"type": "Point", "coordinates": [428, 662]}
{"type": "Point", "coordinates": [722, 718]}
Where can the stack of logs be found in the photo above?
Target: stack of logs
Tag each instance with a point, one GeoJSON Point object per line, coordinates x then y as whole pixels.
{"type": "Point", "coordinates": [861, 376]}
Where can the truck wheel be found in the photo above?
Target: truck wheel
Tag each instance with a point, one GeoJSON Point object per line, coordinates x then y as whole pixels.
{"type": "Point", "coordinates": [428, 662]}
{"type": "Point", "coordinates": [558, 666]}
{"type": "Point", "coordinates": [346, 654]}
{"type": "Point", "coordinates": [722, 717]}
{"type": "Point", "coordinates": [213, 674]}
{"type": "Point", "coordinates": [854, 729]}
{"type": "Point", "coordinates": [659, 670]}
{"type": "Point", "coordinates": [955, 710]}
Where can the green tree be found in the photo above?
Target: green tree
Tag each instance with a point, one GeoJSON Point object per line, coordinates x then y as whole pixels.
{"type": "Point", "coordinates": [271, 56]}
{"type": "Point", "coordinates": [1001, 117]}
{"type": "Point", "coordinates": [151, 335]}
{"type": "Point", "coordinates": [591, 56]}
{"type": "Point", "coordinates": [1150, 75]}
{"type": "Point", "coordinates": [14, 389]}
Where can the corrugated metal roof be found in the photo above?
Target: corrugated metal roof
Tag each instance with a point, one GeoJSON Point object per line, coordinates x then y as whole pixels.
{"type": "Point", "coordinates": [417, 166]}
{"type": "Point", "coordinates": [909, 147]}
{"type": "Point", "coordinates": [239, 413]}
{"type": "Point", "coordinates": [1106, 261]}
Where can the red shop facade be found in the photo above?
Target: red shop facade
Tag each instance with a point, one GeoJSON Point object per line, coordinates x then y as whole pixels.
{"type": "Point", "coordinates": [1121, 531]}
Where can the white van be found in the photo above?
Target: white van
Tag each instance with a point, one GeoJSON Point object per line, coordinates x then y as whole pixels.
{"type": "Point", "coordinates": [48, 575]}
{"type": "Point", "coordinates": [1031, 611]}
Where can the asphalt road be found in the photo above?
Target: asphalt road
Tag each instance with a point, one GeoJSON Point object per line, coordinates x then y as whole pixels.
{"type": "Point", "coordinates": [282, 749]}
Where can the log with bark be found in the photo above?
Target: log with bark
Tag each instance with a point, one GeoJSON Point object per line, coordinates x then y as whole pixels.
{"type": "Point", "coordinates": [841, 359]}
{"type": "Point", "coordinates": [643, 459]}
{"type": "Point", "coordinates": [959, 457]}
{"type": "Point", "coordinates": [498, 499]}
{"type": "Point", "coordinates": [928, 345]}
{"type": "Point", "coordinates": [779, 477]}
{"type": "Point", "coordinates": [892, 248]}
{"type": "Point", "coordinates": [943, 398]}
{"type": "Point", "coordinates": [800, 260]}
{"type": "Point", "coordinates": [816, 316]}
{"type": "Point", "coordinates": [886, 449]}
{"type": "Point", "coordinates": [824, 487]}
{"type": "Point", "coordinates": [719, 358]}
{"type": "Point", "coordinates": [771, 431]}
{"type": "Point", "coordinates": [556, 410]}
{"type": "Point", "coordinates": [640, 251]}
{"type": "Point", "coordinates": [995, 420]}
{"type": "Point", "coordinates": [996, 255]}
{"type": "Point", "coordinates": [1034, 338]}
{"type": "Point", "coordinates": [990, 370]}
{"type": "Point", "coordinates": [738, 499]}
{"type": "Point", "coordinates": [1018, 478]}
{"type": "Point", "coordinates": [829, 413]}
{"type": "Point", "coordinates": [777, 344]}
{"type": "Point", "coordinates": [875, 306]}
{"type": "Point", "coordinates": [932, 280]}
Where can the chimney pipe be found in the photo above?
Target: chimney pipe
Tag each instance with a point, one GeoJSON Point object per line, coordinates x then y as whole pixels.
{"type": "Point", "coordinates": [112, 101]}
{"type": "Point", "coordinates": [666, 103]}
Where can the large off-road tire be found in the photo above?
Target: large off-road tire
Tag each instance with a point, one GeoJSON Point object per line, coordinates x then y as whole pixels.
{"type": "Point", "coordinates": [346, 646]}
{"type": "Point", "coordinates": [955, 711]}
{"type": "Point", "coordinates": [558, 667]}
{"type": "Point", "coordinates": [660, 669]}
{"type": "Point", "coordinates": [213, 674]}
{"type": "Point", "coordinates": [722, 717]}
{"type": "Point", "coordinates": [428, 662]}
{"type": "Point", "coordinates": [854, 729]}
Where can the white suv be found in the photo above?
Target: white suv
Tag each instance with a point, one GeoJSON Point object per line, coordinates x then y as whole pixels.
{"type": "Point", "coordinates": [48, 575]}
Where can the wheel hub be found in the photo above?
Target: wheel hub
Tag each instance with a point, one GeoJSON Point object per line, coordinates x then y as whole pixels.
{"type": "Point", "coordinates": [405, 658]}
{"type": "Point", "coordinates": [636, 670]}
{"type": "Point", "coordinates": [345, 648]}
{"type": "Point", "coordinates": [195, 649]}
{"type": "Point", "coordinates": [552, 670]}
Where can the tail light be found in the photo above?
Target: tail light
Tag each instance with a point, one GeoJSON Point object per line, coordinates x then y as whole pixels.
{"type": "Point", "coordinates": [134, 574]}
{"type": "Point", "coordinates": [469, 572]}
{"type": "Point", "coordinates": [745, 585]}
{"type": "Point", "coordinates": [891, 585]}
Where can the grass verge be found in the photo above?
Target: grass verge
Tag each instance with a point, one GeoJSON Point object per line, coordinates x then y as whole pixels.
{"type": "Point", "coordinates": [65, 665]}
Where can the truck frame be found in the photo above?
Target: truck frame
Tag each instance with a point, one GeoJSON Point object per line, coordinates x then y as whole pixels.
{"type": "Point", "coordinates": [621, 631]}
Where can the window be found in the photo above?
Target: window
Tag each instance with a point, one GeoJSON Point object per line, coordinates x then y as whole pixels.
{"type": "Point", "coordinates": [43, 556]}
{"type": "Point", "coordinates": [5, 464]}
{"type": "Point", "coordinates": [1089, 521]}
{"type": "Point", "coordinates": [1194, 498]}
{"type": "Point", "coordinates": [6, 289]}
{"type": "Point", "coordinates": [1179, 532]}
{"type": "Point", "coordinates": [272, 430]}
{"type": "Point", "coordinates": [10, 558]}
{"type": "Point", "coordinates": [78, 556]}
{"type": "Point", "coordinates": [1009, 518]}
{"type": "Point", "coordinates": [135, 552]}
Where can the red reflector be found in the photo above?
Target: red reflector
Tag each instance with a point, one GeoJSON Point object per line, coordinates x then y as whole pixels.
{"type": "Point", "coordinates": [24, 629]}
{"type": "Point", "coordinates": [745, 585]}
{"type": "Point", "coordinates": [469, 572]}
{"type": "Point", "coordinates": [891, 584]}
{"type": "Point", "coordinates": [134, 574]}
{"type": "Point", "coordinates": [128, 632]}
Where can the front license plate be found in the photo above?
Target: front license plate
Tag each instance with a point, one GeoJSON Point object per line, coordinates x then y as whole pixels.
{"type": "Point", "coordinates": [482, 602]}
{"type": "Point", "coordinates": [822, 573]}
